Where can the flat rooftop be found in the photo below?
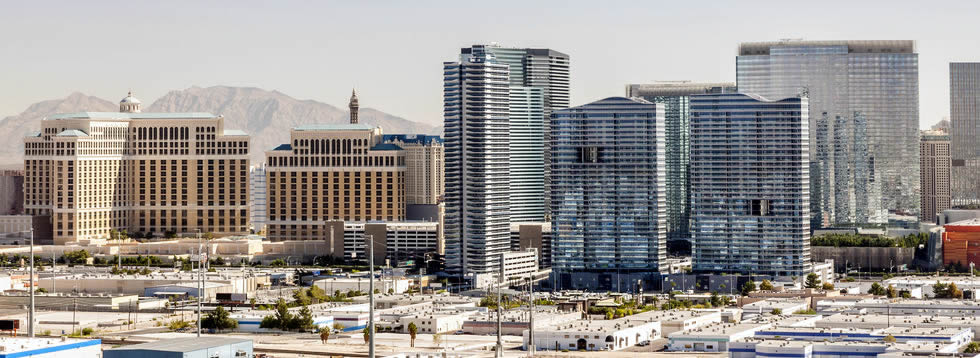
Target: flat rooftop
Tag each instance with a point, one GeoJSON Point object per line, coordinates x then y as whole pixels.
{"type": "Point", "coordinates": [718, 329]}
{"type": "Point", "coordinates": [853, 46]}
{"type": "Point", "coordinates": [120, 115]}
{"type": "Point", "coordinates": [184, 345]}
{"type": "Point", "coordinates": [26, 347]}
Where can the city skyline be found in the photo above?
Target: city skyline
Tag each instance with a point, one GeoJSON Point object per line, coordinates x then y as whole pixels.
{"type": "Point", "coordinates": [317, 43]}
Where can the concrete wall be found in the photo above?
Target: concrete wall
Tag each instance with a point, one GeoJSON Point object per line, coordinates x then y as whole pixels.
{"type": "Point", "coordinates": [873, 258]}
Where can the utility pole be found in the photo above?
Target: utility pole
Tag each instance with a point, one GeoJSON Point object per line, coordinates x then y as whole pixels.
{"type": "Point", "coordinates": [370, 242]}
{"type": "Point", "coordinates": [530, 320]}
{"type": "Point", "coordinates": [30, 314]}
{"type": "Point", "coordinates": [200, 281]}
{"type": "Point", "coordinates": [74, 310]}
{"type": "Point", "coordinates": [500, 282]}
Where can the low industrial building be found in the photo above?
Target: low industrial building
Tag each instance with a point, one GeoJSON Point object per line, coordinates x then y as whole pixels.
{"type": "Point", "coordinates": [65, 301]}
{"type": "Point", "coordinates": [11, 347]}
{"type": "Point", "coordinates": [784, 305]}
{"type": "Point", "coordinates": [919, 307]}
{"type": "Point", "coordinates": [969, 285]}
{"type": "Point", "coordinates": [220, 347]}
{"type": "Point", "coordinates": [954, 335]}
{"type": "Point", "coordinates": [717, 337]}
{"type": "Point", "coordinates": [515, 321]}
{"type": "Point", "coordinates": [590, 335]}
{"type": "Point", "coordinates": [189, 289]}
{"type": "Point", "coordinates": [881, 321]}
{"type": "Point", "coordinates": [753, 347]}
{"type": "Point", "coordinates": [239, 281]}
{"type": "Point", "coordinates": [332, 284]}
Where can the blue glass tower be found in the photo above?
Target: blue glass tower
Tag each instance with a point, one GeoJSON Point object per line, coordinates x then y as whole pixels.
{"type": "Point", "coordinates": [750, 185]}
{"type": "Point", "coordinates": [608, 193]}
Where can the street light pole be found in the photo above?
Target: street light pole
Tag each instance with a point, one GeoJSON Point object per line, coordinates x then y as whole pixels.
{"type": "Point", "coordinates": [200, 281]}
{"type": "Point", "coordinates": [370, 243]}
{"type": "Point", "coordinates": [500, 282]}
{"type": "Point", "coordinates": [30, 314]}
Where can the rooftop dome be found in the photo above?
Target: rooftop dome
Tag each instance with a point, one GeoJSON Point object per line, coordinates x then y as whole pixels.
{"type": "Point", "coordinates": [130, 104]}
{"type": "Point", "coordinates": [130, 99]}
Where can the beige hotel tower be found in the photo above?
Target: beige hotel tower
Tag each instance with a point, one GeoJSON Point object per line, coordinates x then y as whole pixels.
{"type": "Point", "coordinates": [93, 172]}
{"type": "Point", "coordinates": [330, 173]}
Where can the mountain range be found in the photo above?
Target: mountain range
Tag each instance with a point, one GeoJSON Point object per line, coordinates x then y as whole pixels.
{"type": "Point", "coordinates": [267, 116]}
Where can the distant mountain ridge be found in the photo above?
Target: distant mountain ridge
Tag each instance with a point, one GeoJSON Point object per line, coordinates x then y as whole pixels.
{"type": "Point", "coordinates": [267, 116]}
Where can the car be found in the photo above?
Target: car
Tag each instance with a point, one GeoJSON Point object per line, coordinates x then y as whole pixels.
{"type": "Point", "coordinates": [644, 343]}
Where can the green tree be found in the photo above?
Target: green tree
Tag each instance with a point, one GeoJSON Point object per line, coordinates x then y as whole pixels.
{"type": "Point", "coordinates": [219, 320]}
{"type": "Point", "coordinates": [748, 287]}
{"type": "Point", "coordinates": [891, 292]}
{"type": "Point", "coordinates": [303, 321]}
{"type": "Point", "coordinates": [955, 292]}
{"type": "Point", "coordinates": [777, 311]}
{"type": "Point", "coordinates": [76, 257]}
{"type": "Point", "coordinates": [876, 289]}
{"type": "Point", "coordinates": [827, 286]}
{"type": "Point", "coordinates": [278, 263]}
{"type": "Point", "coordinates": [812, 281]}
{"type": "Point", "coordinates": [367, 334]}
{"type": "Point", "coordinates": [765, 286]}
{"type": "Point", "coordinates": [282, 315]}
{"type": "Point", "coordinates": [301, 297]}
{"type": "Point", "coordinates": [889, 339]}
{"type": "Point", "coordinates": [324, 335]}
{"type": "Point", "coordinates": [972, 348]}
{"type": "Point", "coordinates": [413, 330]}
{"type": "Point", "coordinates": [715, 299]}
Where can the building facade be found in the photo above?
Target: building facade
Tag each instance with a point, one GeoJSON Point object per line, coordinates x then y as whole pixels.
{"type": "Point", "coordinates": [864, 120]}
{"type": "Point", "coordinates": [11, 192]}
{"type": "Point", "coordinates": [396, 242]}
{"type": "Point", "coordinates": [477, 130]}
{"type": "Point", "coordinates": [257, 199]}
{"type": "Point", "coordinates": [332, 172]}
{"type": "Point", "coordinates": [676, 100]}
{"type": "Point", "coordinates": [527, 123]}
{"type": "Point", "coordinates": [609, 194]}
{"type": "Point", "coordinates": [96, 172]}
{"type": "Point", "coordinates": [964, 120]}
{"type": "Point", "coordinates": [750, 185]}
{"type": "Point", "coordinates": [539, 84]}
{"type": "Point", "coordinates": [934, 162]}
{"type": "Point", "coordinates": [425, 167]}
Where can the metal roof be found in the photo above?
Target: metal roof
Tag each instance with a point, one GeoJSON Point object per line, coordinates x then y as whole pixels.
{"type": "Point", "coordinates": [183, 344]}
{"type": "Point", "coordinates": [386, 146]}
{"type": "Point", "coordinates": [120, 115]}
{"type": "Point", "coordinates": [334, 127]}
{"type": "Point", "coordinates": [72, 133]}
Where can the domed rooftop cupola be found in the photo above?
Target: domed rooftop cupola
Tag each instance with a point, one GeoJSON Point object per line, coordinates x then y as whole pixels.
{"type": "Point", "coordinates": [130, 104]}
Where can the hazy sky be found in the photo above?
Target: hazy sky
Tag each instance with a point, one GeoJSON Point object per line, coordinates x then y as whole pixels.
{"type": "Point", "coordinates": [392, 52]}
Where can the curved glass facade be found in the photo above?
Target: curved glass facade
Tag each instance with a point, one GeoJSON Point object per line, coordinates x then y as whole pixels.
{"type": "Point", "coordinates": [864, 116]}
{"type": "Point", "coordinates": [608, 187]}
{"type": "Point", "coordinates": [750, 185]}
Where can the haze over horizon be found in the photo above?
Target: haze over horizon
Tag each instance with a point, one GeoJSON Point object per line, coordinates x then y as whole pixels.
{"type": "Point", "coordinates": [391, 52]}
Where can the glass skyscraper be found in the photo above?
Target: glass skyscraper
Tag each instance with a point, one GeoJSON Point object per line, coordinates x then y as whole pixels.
{"type": "Point", "coordinates": [675, 98]}
{"type": "Point", "coordinates": [609, 195]}
{"type": "Point", "coordinates": [477, 140]}
{"type": "Point", "coordinates": [864, 120]}
{"type": "Point", "coordinates": [750, 185]}
{"type": "Point", "coordinates": [964, 121]}
{"type": "Point", "coordinates": [539, 84]}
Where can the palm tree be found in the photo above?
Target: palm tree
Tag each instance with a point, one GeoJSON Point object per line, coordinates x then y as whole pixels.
{"type": "Point", "coordinates": [367, 334]}
{"type": "Point", "coordinates": [413, 330]}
